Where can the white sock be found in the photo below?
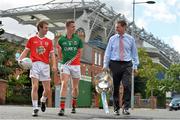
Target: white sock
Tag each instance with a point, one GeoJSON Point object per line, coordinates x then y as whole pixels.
{"type": "Point", "coordinates": [35, 104]}
{"type": "Point", "coordinates": [43, 99]}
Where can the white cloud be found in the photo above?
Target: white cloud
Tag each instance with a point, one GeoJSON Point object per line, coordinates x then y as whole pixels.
{"type": "Point", "coordinates": [21, 30]}
{"type": "Point", "coordinates": [171, 2]}
{"type": "Point", "coordinates": [173, 41]}
{"type": "Point", "coordinates": [141, 23]}
{"type": "Point", "coordinates": [178, 8]}
{"type": "Point", "coordinates": [16, 28]}
{"type": "Point", "coordinates": [120, 6]}
{"type": "Point", "coordinates": [5, 4]}
{"type": "Point", "coordinates": [160, 12]}
{"type": "Point", "coordinates": [178, 5]}
{"type": "Point", "coordinates": [176, 42]}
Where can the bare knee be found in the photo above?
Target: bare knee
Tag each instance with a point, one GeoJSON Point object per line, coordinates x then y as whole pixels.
{"type": "Point", "coordinates": [75, 91]}
{"type": "Point", "coordinates": [64, 84]}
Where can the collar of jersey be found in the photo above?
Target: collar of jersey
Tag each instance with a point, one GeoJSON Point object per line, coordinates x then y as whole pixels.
{"type": "Point", "coordinates": [40, 38]}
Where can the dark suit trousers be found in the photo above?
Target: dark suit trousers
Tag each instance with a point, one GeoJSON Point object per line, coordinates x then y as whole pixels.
{"type": "Point", "coordinates": [121, 71]}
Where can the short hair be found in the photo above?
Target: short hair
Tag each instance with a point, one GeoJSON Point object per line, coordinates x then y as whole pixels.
{"type": "Point", "coordinates": [40, 24]}
{"type": "Point", "coordinates": [68, 22]}
{"type": "Point", "coordinates": [122, 22]}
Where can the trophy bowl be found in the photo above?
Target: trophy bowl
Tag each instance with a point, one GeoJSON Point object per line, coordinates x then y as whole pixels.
{"type": "Point", "coordinates": [103, 82]}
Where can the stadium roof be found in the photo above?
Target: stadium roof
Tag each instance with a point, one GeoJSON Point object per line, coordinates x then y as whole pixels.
{"type": "Point", "coordinates": [58, 12]}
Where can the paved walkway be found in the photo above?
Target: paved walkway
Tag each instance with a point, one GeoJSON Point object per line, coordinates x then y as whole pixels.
{"type": "Point", "coordinates": [24, 112]}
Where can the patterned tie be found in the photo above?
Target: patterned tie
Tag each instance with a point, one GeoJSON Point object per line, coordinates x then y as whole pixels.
{"type": "Point", "coordinates": [121, 44]}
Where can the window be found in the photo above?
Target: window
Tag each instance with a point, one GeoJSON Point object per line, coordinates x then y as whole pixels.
{"type": "Point", "coordinates": [96, 58]}
{"type": "Point", "coordinates": [99, 59]}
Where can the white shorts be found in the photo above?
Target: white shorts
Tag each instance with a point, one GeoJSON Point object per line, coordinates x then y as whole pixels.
{"type": "Point", "coordinates": [73, 70]}
{"type": "Point", "coordinates": [40, 71]}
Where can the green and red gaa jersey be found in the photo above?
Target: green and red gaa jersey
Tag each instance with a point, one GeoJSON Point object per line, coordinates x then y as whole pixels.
{"type": "Point", "coordinates": [69, 48]}
{"type": "Point", "coordinates": [40, 48]}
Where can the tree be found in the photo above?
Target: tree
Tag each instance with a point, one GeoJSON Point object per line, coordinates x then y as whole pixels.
{"type": "Point", "coordinates": [5, 69]}
{"type": "Point", "coordinates": [174, 72]}
{"type": "Point", "coordinates": [149, 70]}
{"type": "Point", "coordinates": [172, 80]}
{"type": "Point", "coordinates": [7, 59]}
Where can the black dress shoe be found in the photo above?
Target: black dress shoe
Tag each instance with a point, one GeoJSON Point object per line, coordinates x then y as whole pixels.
{"type": "Point", "coordinates": [125, 112]}
{"type": "Point", "coordinates": [116, 112]}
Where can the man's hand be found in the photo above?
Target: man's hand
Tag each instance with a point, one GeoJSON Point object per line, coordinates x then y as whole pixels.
{"type": "Point", "coordinates": [54, 68]}
{"type": "Point", "coordinates": [135, 72]}
{"type": "Point", "coordinates": [19, 63]}
{"type": "Point", "coordinates": [106, 69]}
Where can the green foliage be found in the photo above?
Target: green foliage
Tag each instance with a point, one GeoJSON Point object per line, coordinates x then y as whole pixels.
{"type": "Point", "coordinates": [148, 71]}
{"type": "Point", "coordinates": [19, 95]}
{"type": "Point", "coordinates": [5, 71]}
{"type": "Point", "coordinates": [174, 72]}
{"type": "Point", "coordinates": [171, 83]}
{"type": "Point", "coordinates": [19, 99]}
{"type": "Point", "coordinates": [21, 81]}
{"type": "Point", "coordinates": [161, 101]}
{"type": "Point", "coordinates": [165, 85]}
{"type": "Point", "coordinates": [18, 91]}
{"type": "Point", "coordinates": [140, 85]}
{"type": "Point", "coordinates": [7, 60]}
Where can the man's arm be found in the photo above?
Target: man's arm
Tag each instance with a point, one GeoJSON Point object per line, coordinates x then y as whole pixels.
{"type": "Point", "coordinates": [135, 57]}
{"type": "Point", "coordinates": [79, 53]}
{"type": "Point", "coordinates": [107, 55]}
{"type": "Point", "coordinates": [54, 67]}
{"type": "Point", "coordinates": [59, 52]}
{"type": "Point", "coordinates": [24, 53]}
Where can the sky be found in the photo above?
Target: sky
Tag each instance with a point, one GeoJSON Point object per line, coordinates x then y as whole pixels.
{"type": "Point", "coordinates": [162, 19]}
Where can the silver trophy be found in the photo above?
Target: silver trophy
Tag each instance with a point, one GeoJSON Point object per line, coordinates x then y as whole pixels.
{"type": "Point", "coordinates": [103, 82]}
{"type": "Point", "coordinates": [103, 85]}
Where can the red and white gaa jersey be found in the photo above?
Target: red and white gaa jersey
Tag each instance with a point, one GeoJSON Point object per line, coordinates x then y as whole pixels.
{"type": "Point", "coordinates": [40, 48]}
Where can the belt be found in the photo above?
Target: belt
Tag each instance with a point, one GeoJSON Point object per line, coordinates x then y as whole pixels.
{"type": "Point", "coordinates": [121, 61]}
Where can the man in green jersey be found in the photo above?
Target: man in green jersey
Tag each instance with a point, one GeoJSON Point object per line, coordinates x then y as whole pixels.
{"type": "Point", "coordinates": [70, 48]}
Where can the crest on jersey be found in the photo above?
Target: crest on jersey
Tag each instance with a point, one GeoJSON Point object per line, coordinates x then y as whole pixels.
{"type": "Point", "coordinates": [40, 50]}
